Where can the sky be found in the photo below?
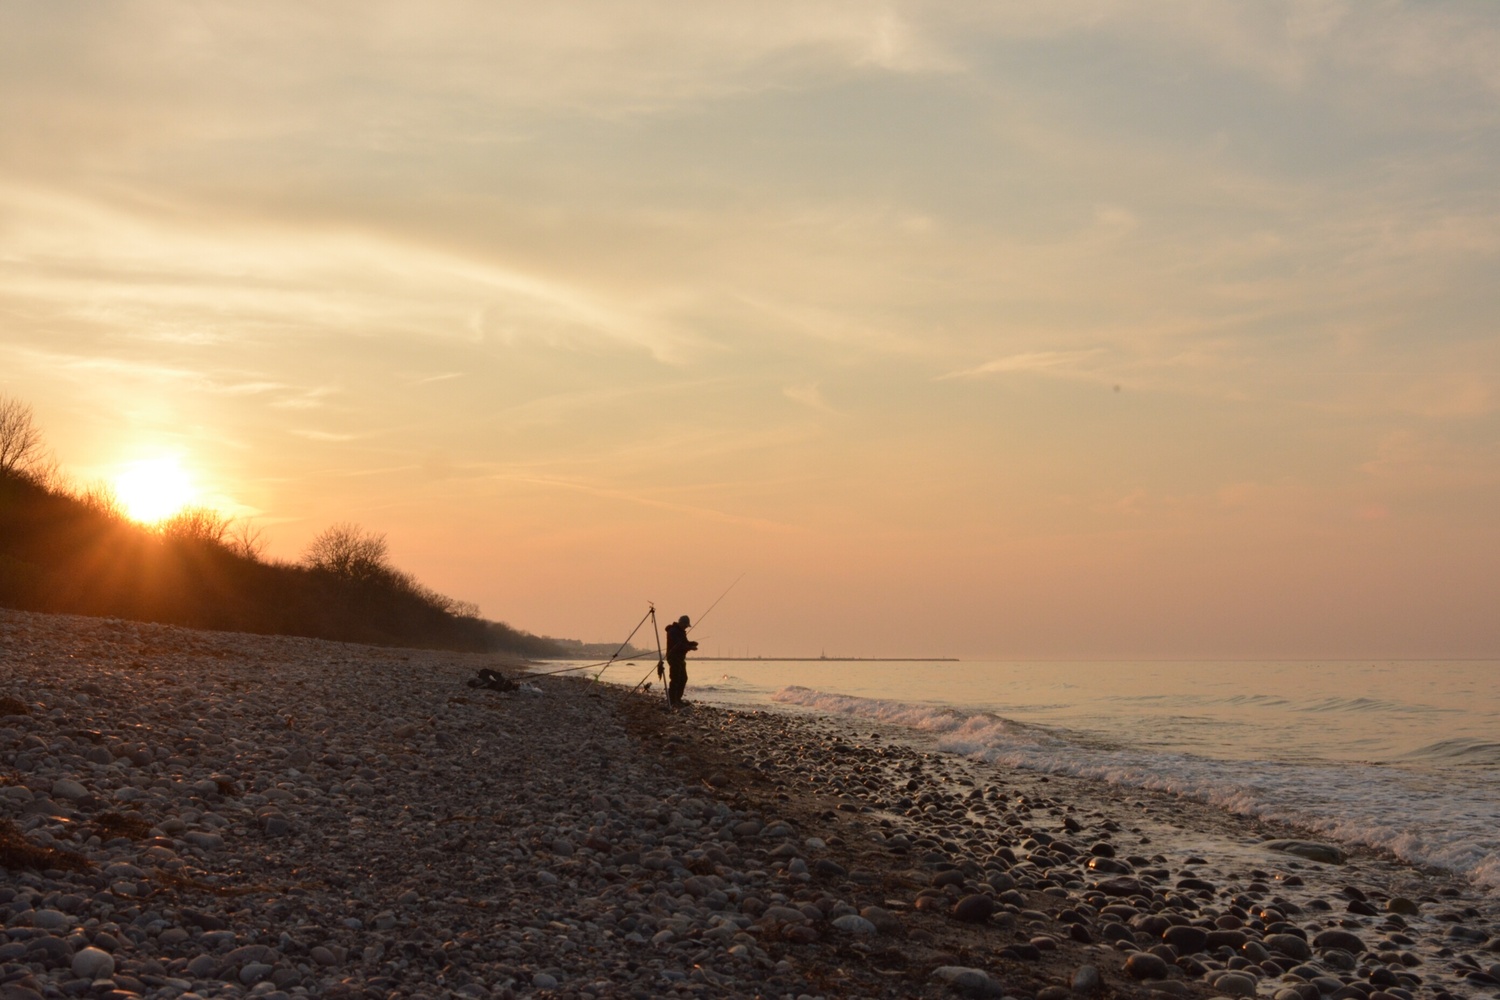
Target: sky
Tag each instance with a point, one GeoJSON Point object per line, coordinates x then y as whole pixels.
{"type": "Point", "coordinates": [1031, 330]}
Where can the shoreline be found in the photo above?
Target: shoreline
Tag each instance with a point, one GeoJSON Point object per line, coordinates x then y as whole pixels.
{"type": "Point", "coordinates": [280, 817]}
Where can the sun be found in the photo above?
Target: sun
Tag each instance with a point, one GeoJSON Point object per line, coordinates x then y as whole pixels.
{"type": "Point", "coordinates": [154, 489]}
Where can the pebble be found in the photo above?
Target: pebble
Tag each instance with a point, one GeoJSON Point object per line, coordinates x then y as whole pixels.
{"type": "Point", "coordinates": [360, 823]}
{"type": "Point", "coordinates": [93, 963]}
{"type": "Point", "coordinates": [1086, 979]}
{"type": "Point", "coordinates": [968, 981]}
{"type": "Point", "coordinates": [1145, 965]}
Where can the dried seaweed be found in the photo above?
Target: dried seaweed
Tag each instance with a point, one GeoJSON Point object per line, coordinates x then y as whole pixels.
{"type": "Point", "coordinates": [181, 883]}
{"type": "Point", "coordinates": [110, 825]}
{"type": "Point", "coordinates": [19, 854]}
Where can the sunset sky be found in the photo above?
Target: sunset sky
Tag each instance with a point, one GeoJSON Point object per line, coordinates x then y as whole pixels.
{"type": "Point", "coordinates": [1042, 329]}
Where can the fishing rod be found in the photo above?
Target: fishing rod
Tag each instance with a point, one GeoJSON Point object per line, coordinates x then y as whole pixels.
{"type": "Point", "coordinates": [699, 620]}
{"type": "Point", "coordinates": [650, 613]}
{"type": "Point", "coordinates": [660, 659]}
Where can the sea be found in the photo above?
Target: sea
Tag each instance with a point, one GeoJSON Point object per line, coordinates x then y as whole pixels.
{"type": "Point", "coordinates": [1403, 756]}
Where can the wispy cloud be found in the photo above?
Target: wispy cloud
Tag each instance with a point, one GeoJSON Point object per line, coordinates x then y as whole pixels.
{"type": "Point", "coordinates": [809, 394]}
{"type": "Point", "coordinates": [642, 499]}
{"type": "Point", "coordinates": [1060, 364]}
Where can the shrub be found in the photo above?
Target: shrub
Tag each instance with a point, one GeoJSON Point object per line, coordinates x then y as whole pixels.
{"type": "Point", "coordinates": [349, 552]}
{"type": "Point", "coordinates": [20, 438]}
{"type": "Point", "coordinates": [196, 524]}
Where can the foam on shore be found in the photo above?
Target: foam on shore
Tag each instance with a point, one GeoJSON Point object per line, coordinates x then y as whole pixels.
{"type": "Point", "coordinates": [1418, 816]}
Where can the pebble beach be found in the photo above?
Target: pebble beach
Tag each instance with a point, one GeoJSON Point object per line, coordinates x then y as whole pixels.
{"type": "Point", "coordinates": [200, 814]}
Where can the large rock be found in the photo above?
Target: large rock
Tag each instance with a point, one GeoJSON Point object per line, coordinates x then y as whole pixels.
{"type": "Point", "coordinates": [974, 909]}
{"type": "Point", "coordinates": [1326, 853]}
{"type": "Point", "coordinates": [967, 981]}
{"type": "Point", "coordinates": [1289, 945]}
{"type": "Point", "coordinates": [1340, 939]}
{"type": "Point", "coordinates": [853, 923]}
{"type": "Point", "coordinates": [1144, 965]}
{"type": "Point", "coordinates": [93, 963]}
{"type": "Point", "coordinates": [1186, 939]}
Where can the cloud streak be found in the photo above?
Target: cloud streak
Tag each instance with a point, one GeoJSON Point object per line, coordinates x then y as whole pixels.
{"type": "Point", "coordinates": [846, 277]}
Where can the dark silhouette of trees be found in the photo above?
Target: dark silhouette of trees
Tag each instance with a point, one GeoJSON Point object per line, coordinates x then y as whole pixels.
{"type": "Point", "coordinates": [203, 525]}
{"type": "Point", "coordinates": [74, 552]}
{"type": "Point", "coordinates": [20, 438]}
{"type": "Point", "coordinates": [349, 552]}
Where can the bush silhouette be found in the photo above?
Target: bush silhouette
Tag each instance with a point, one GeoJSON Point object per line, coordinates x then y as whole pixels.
{"type": "Point", "coordinates": [349, 552]}
{"type": "Point", "coordinates": [20, 438]}
{"type": "Point", "coordinates": [75, 553]}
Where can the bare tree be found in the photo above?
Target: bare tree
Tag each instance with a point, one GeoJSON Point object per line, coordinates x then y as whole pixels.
{"type": "Point", "coordinates": [347, 550]}
{"type": "Point", "coordinates": [100, 497]}
{"type": "Point", "coordinates": [247, 540]}
{"type": "Point", "coordinates": [196, 524]}
{"type": "Point", "coordinates": [20, 438]}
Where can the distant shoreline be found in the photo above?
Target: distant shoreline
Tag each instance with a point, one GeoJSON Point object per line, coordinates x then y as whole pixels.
{"type": "Point", "coordinates": [826, 659]}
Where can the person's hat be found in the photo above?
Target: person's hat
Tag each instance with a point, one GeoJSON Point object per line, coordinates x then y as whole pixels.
{"type": "Point", "coordinates": [683, 621]}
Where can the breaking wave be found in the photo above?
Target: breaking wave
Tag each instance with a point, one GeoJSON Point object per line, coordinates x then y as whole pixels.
{"type": "Point", "coordinates": [1449, 818]}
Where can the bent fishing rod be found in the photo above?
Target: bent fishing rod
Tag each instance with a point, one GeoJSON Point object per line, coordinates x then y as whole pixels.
{"type": "Point", "coordinates": [660, 660]}
{"type": "Point", "coordinates": [699, 620]}
{"type": "Point", "coordinates": [660, 673]}
{"type": "Point", "coordinates": [650, 613]}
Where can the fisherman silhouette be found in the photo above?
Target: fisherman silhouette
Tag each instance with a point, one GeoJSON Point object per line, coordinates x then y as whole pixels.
{"type": "Point", "coordinates": [678, 647]}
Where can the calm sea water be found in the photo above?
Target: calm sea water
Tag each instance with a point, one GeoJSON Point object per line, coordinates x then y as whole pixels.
{"type": "Point", "coordinates": [1404, 755]}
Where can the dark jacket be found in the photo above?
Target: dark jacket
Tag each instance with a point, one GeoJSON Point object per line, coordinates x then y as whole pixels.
{"type": "Point", "coordinates": [678, 644]}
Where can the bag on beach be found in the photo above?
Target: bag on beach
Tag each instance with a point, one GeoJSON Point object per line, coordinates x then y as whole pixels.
{"type": "Point", "coordinates": [492, 681]}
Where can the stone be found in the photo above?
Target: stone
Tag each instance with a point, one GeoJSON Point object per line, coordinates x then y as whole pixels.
{"type": "Point", "coordinates": [1227, 939]}
{"type": "Point", "coordinates": [50, 920]}
{"type": "Point", "coordinates": [1087, 979]}
{"type": "Point", "coordinates": [67, 788]}
{"type": "Point", "coordinates": [825, 868]}
{"type": "Point", "coordinates": [973, 909]}
{"type": "Point", "coordinates": [1235, 984]}
{"type": "Point", "coordinates": [1325, 853]}
{"type": "Point", "coordinates": [968, 982]}
{"type": "Point", "coordinates": [1188, 940]}
{"type": "Point", "coordinates": [253, 972]}
{"type": "Point", "coordinates": [885, 922]}
{"type": "Point", "coordinates": [1144, 965]}
{"type": "Point", "coordinates": [853, 923]}
{"type": "Point", "coordinates": [93, 963]}
{"type": "Point", "coordinates": [202, 966]}
{"type": "Point", "coordinates": [1122, 886]}
{"type": "Point", "coordinates": [1338, 939]}
{"type": "Point", "coordinates": [1290, 945]}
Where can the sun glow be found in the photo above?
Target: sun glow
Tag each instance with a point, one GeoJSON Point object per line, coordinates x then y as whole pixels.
{"type": "Point", "coordinates": [152, 490]}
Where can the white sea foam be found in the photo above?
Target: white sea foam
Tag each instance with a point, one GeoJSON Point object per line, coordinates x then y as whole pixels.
{"type": "Point", "coordinates": [1447, 818]}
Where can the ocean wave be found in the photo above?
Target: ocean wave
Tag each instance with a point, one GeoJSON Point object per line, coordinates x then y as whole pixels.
{"type": "Point", "coordinates": [1368, 706]}
{"type": "Point", "coordinates": [1460, 750]}
{"type": "Point", "coordinates": [1422, 817]}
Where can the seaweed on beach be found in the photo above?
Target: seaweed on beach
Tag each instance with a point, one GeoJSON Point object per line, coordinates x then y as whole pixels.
{"type": "Point", "coordinates": [172, 881]}
{"type": "Point", "coordinates": [13, 706]}
{"type": "Point", "coordinates": [19, 854]}
{"type": "Point", "coordinates": [111, 825]}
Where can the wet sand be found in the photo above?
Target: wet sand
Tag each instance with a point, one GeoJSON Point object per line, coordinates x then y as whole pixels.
{"type": "Point", "coordinates": [189, 814]}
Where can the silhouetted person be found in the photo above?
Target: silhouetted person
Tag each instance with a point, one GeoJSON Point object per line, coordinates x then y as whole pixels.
{"type": "Point", "coordinates": [678, 647]}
